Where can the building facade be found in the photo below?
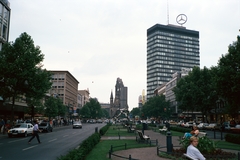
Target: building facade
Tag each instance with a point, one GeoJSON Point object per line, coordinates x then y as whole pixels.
{"type": "Point", "coordinates": [120, 100]}
{"type": "Point", "coordinates": [85, 96]}
{"type": "Point", "coordinates": [169, 48]}
{"type": "Point", "coordinates": [65, 86]}
{"type": "Point", "coordinates": [5, 12]}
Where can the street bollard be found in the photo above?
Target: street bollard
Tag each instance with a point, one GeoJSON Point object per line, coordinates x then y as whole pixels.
{"type": "Point", "coordinates": [169, 142]}
{"type": "Point", "coordinates": [214, 133]}
{"type": "Point", "coordinates": [96, 129]}
{"type": "Point", "coordinates": [221, 135]}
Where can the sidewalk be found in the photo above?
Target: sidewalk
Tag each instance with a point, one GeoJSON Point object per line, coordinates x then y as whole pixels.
{"type": "Point", "coordinates": [149, 153]}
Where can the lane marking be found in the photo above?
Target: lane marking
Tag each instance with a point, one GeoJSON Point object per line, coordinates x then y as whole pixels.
{"type": "Point", "coordinates": [53, 140]}
{"type": "Point", "coordinates": [65, 136]}
{"type": "Point", "coordinates": [29, 148]}
{"type": "Point", "coordinates": [17, 140]}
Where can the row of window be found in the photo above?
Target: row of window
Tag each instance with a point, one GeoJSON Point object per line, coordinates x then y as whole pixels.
{"type": "Point", "coordinates": [176, 62]}
{"type": "Point", "coordinates": [158, 41]}
{"type": "Point", "coordinates": [174, 47]}
{"type": "Point", "coordinates": [152, 80]}
{"type": "Point", "coordinates": [173, 39]}
{"type": "Point", "coordinates": [171, 65]}
{"type": "Point", "coordinates": [176, 59]}
{"type": "Point", "coordinates": [174, 35]}
{"type": "Point", "coordinates": [171, 52]}
{"type": "Point", "coordinates": [57, 86]}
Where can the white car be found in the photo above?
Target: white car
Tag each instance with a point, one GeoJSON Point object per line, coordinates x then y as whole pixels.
{"type": "Point", "coordinates": [189, 124]}
{"type": "Point", "coordinates": [211, 126]}
{"type": "Point", "coordinates": [202, 125]}
{"type": "Point", "coordinates": [21, 129]}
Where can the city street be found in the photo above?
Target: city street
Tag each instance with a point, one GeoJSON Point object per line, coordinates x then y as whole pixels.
{"type": "Point", "coordinates": [53, 144]}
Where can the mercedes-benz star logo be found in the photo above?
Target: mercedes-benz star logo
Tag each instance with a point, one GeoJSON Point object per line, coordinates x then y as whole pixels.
{"type": "Point", "coordinates": [181, 19]}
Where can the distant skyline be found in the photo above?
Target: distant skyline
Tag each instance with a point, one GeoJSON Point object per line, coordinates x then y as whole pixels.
{"type": "Point", "coordinates": [99, 41]}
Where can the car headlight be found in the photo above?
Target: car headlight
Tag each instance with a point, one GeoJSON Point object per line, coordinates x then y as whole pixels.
{"type": "Point", "coordinates": [21, 131]}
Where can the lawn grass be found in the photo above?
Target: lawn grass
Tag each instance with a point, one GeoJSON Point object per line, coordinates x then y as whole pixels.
{"type": "Point", "coordinates": [118, 130]}
{"type": "Point", "coordinates": [100, 151]}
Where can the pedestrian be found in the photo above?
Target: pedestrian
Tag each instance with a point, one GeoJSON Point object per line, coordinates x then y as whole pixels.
{"type": "Point", "coordinates": [35, 132]}
{"type": "Point", "coordinates": [2, 126]}
{"type": "Point", "coordinates": [192, 150]}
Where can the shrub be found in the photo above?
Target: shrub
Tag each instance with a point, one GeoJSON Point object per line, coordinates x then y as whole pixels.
{"type": "Point", "coordinates": [233, 138]}
{"type": "Point", "coordinates": [86, 146]}
{"type": "Point", "coordinates": [104, 129]}
{"type": "Point", "coordinates": [205, 145]}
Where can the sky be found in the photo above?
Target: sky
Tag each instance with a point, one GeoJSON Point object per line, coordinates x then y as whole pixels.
{"type": "Point", "coordinates": [98, 41]}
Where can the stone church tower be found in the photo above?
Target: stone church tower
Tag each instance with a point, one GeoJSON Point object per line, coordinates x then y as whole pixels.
{"type": "Point", "coordinates": [120, 100]}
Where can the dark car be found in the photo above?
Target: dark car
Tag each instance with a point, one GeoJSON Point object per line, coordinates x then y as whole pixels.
{"type": "Point", "coordinates": [77, 124]}
{"type": "Point", "coordinates": [45, 127]}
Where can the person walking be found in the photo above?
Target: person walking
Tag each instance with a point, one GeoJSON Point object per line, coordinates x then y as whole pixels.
{"type": "Point", "coordinates": [35, 132]}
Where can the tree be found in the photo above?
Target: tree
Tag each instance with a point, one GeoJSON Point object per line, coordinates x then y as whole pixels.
{"type": "Point", "coordinates": [155, 107]}
{"type": "Point", "coordinates": [228, 77]}
{"type": "Point", "coordinates": [21, 71]}
{"type": "Point", "coordinates": [51, 107]}
{"type": "Point", "coordinates": [135, 112]}
{"type": "Point", "coordinates": [85, 112]}
{"type": "Point", "coordinates": [94, 107]}
{"type": "Point", "coordinates": [105, 113]}
{"type": "Point", "coordinates": [196, 91]}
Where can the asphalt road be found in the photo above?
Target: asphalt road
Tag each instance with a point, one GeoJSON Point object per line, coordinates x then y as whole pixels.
{"type": "Point", "coordinates": [53, 144]}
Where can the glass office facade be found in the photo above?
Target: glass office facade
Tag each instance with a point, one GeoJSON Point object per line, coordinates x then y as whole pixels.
{"type": "Point", "coordinates": [169, 49]}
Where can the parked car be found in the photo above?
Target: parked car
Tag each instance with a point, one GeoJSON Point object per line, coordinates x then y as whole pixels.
{"type": "Point", "coordinates": [21, 129]}
{"type": "Point", "coordinates": [45, 127]}
{"type": "Point", "coordinates": [226, 126]}
{"type": "Point", "coordinates": [235, 129]}
{"type": "Point", "coordinates": [211, 126]}
{"type": "Point", "coordinates": [202, 125]}
{"type": "Point", "coordinates": [77, 124]}
{"type": "Point", "coordinates": [99, 121]}
{"type": "Point", "coordinates": [189, 124]}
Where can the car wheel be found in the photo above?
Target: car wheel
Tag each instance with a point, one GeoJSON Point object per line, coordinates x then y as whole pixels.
{"type": "Point", "coordinates": [51, 130]}
{"type": "Point", "coordinates": [25, 134]}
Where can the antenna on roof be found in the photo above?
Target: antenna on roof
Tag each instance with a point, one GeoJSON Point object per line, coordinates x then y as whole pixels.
{"type": "Point", "coordinates": [167, 13]}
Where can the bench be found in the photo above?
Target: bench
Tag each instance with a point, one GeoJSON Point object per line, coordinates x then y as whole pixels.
{"type": "Point", "coordinates": [142, 137]}
{"type": "Point", "coordinates": [202, 134]}
{"type": "Point", "coordinates": [188, 157]}
{"type": "Point", "coordinates": [130, 130]}
{"type": "Point", "coordinates": [164, 129]}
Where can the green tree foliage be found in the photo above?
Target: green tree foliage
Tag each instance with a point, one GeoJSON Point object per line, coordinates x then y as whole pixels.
{"type": "Point", "coordinates": [92, 109]}
{"type": "Point", "coordinates": [105, 113]}
{"type": "Point", "coordinates": [228, 77]}
{"type": "Point", "coordinates": [157, 106]}
{"type": "Point", "coordinates": [21, 72]}
{"type": "Point", "coordinates": [196, 91]}
{"type": "Point", "coordinates": [85, 112]}
{"type": "Point", "coordinates": [135, 112]}
{"type": "Point", "coordinates": [51, 107]}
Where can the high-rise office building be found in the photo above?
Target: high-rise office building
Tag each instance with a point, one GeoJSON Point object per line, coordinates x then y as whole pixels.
{"type": "Point", "coordinates": [169, 49]}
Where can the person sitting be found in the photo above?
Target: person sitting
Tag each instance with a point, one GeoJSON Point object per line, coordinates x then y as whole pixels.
{"type": "Point", "coordinates": [194, 132]}
{"type": "Point", "coordinates": [192, 151]}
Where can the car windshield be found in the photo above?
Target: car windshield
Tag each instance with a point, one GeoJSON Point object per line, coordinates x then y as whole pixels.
{"type": "Point", "coordinates": [77, 122]}
{"type": "Point", "coordinates": [43, 124]}
{"type": "Point", "coordinates": [23, 125]}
